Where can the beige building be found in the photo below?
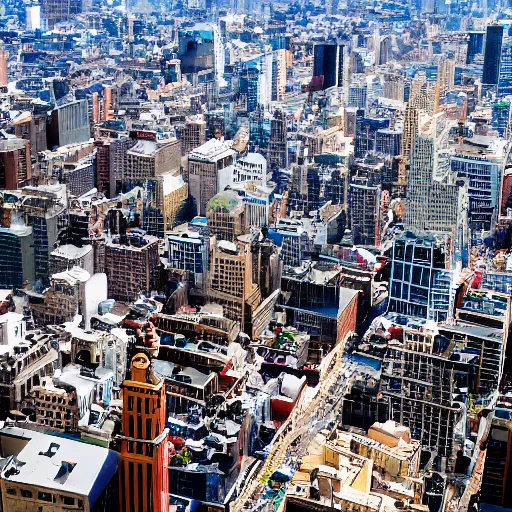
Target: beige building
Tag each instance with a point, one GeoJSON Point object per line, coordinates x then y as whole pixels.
{"type": "Point", "coordinates": [55, 408]}
{"type": "Point", "coordinates": [226, 216]}
{"type": "Point", "coordinates": [230, 281]}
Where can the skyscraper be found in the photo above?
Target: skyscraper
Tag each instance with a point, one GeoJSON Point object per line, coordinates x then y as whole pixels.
{"type": "Point", "coordinates": [143, 475]}
{"type": "Point", "coordinates": [432, 205]}
{"type": "Point", "coordinates": [475, 46]}
{"type": "Point", "coordinates": [492, 55]}
{"type": "Point", "coordinates": [505, 72]}
{"type": "Point", "coordinates": [328, 62]}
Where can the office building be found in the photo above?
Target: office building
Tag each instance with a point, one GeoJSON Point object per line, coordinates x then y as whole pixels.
{"type": "Point", "coordinates": [226, 216]}
{"type": "Point", "coordinates": [4, 77]}
{"type": "Point", "coordinates": [328, 63]}
{"type": "Point", "coordinates": [501, 118]}
{"type": "Point", "coordinates": [68, 124]}
{"type": "Point", "coordinates": [277, 154]}
{"type": "Point", "coordinates": [433, 205]}
{"type": "Point", "coordinates": [54, 11]}
{"type": "Point", "coordinates": [189, 251]}
{"type": "Point", "coordinates": [505, 71]}
{"type": "Point", "coordinates": [210, 170]}
{"type": "Point", "coordinates": [492, 54]}
{"type": "Point", "coordinates": [250, 168]}
{"type": "Point", "coordinates": [192, 134]}
{"type": "Point", "coordinates": [17, 256]}
{"type": "Point", "coordinates": [481, 161]}
{"type": "Point", "coordinates": [475, 46]}
{"type": "Point", "coordinates": [421, 280]}
{"type": "Point", "coordinates": [365, 217]}
{"type": "Point", "coordinates": [42, 471]}
{"type": "Point", "coordinates": [131, 265]}
{"type": "Point", "coordinates": [15, 163]}
{"type": "Point", "coordinates": [231, 280]}
{"type": "Point", "coordinates": [366, 134]}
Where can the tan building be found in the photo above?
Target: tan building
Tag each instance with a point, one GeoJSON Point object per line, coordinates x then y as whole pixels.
{"type": "Point", "coordinates": [231, 281]}
{"type": "Point", "coordinates": [55, 408]}
{"type": "Point", "coordinates": [175, 193]}
{"type": "Point", "coordinates": [192, 134]}
{"type": "Point", "coordinates": [226, 216]}
{"type": "Point", "coordinates": [63, 299]}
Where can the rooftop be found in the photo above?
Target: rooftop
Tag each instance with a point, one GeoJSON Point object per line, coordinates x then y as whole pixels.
{"type": "Point", "coordinates": [41, 461]}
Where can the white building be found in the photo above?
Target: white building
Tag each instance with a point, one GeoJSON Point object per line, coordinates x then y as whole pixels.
{"type": "Point", "coordinates": [251, 168]}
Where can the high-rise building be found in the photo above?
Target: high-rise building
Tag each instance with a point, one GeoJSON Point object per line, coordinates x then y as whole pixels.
{"type": "Point", "coordinates": [481, 161]}
{"type": "Point", "coordinates": [68, 124]}
{"type": "Point", "coordinates": [328, 63]}
{"type": "Point", "coordinates": [420, 281]}
{"type": "Point", "coordinates": [231, 279]}
{"type": "Point", "coordinates": [433, 205]}
{"type": "Point", "coordinates": [501, 117]}
{"type": "Point", "coordinates": [189, 251]}
{"type": "Point", "coordinates": [505, 71]}
{"type": "Point", "coordinates": [131, 265]}
{"type": "Point", "coordinates": [103, 176]}
{"type": "Point", "coordinates": [143, 474]}
{"type": "Point", "coordinates": [277, 155]}
{"type": "Point", "coordinates": [250, 168]}
{"type": "Point", "coordinates": [226, 216]}
{"type": "Point", "coordinates": [16, 257]}
{"type": "Point", "coordinates": [192, 134]}
{"type": "Point", "coordinates": [365, 219]}
{"type": "Point", "coordinates": [201, 53]}
{"type": "Point", "coordinates": [53, 11]}
{"type": "Point", "coordinates": [388, 142]}
{"type": "Point", "coordinates": [4, 79]}
{"type": "Point", "coordinates": [210, 170]}
{"type": "Point", "coordinates": [475, 46]}
{"type": "Point", "coordinates": [492, 55]}
{"type": "Point", "coordinates": [366, 134]}
{"type": "Point", "coordinates": [15, 163]}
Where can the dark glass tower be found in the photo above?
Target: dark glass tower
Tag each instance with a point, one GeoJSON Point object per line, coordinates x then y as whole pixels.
{"type": "Point", "coordinates": [492, 56]}
{"type": "Point", "coordinates": [475, 46]}
{"type": "Point", "coordinates": [328, 62]}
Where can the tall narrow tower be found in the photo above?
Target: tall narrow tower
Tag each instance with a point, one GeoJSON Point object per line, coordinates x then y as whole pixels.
{"type": "Point", "coordinates": [143, 474]}
{"type": "Point", "coordinates": [4, 81]}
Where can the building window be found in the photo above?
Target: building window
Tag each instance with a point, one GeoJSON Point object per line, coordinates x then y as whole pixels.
{"type": "Point", "coordinates": [26, 493]}
{"type": "Point", "coordinates": [46, 496]}
{"type": "Point", "coordinates": [11, 491]}
{"type": "Point", "coordinates": [68, 500]}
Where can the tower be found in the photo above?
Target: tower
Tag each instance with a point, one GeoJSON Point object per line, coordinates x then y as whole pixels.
{"type": "Point", "coordinates": [143, 475]}
{"type": "Point", "coordinates": [492, 54]}
{"type": "Point", "coordinates": [4, 81]}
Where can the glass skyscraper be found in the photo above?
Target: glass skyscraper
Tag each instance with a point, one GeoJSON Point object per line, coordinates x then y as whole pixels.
{"type": "Point", "coordinates": [492, 55]}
